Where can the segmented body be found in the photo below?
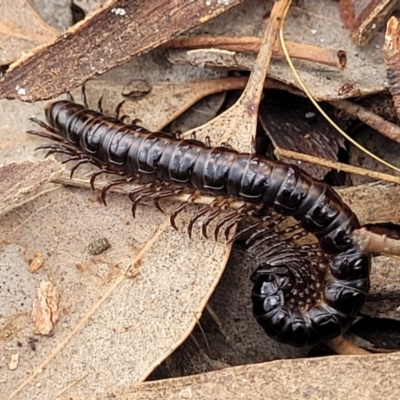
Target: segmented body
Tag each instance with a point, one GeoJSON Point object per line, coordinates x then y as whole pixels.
{"type": "Point", "coordinates": [295, 300]}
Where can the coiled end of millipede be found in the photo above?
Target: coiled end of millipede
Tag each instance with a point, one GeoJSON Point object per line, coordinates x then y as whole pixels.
{"type": "Point", "coordinates": [303, 302]}
{"type": "Point", "coordinates": [307, 293]}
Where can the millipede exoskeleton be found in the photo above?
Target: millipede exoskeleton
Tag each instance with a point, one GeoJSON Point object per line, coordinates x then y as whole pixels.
{"type": "Point", "coordinates": [302, 294]}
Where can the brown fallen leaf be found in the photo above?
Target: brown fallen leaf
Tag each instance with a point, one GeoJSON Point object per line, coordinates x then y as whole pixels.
{"type": "Point", "coordinates": [292, 123]}
{"type": "Point", "coordinates": [21, 30]}
{"type": "Point", "coordinates": [45, 311]}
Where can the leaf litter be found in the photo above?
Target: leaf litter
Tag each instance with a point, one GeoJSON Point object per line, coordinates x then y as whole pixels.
{"type": "Point", "coordinates": [103, 323]}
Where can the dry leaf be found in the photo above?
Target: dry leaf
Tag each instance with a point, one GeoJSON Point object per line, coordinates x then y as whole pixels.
{"type": "Point", "coordinates": [356, 377]}
{"type": "Point", "coordinates": [21, 30]}
{"type": "Point", "coordinates": [45, 311]}
{"type": "Point", "coordinates": [20, 180]}
{"type": "Point", "coordinates": [292, 123]}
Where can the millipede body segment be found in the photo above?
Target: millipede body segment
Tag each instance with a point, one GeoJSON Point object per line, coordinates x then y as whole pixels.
{"type": "Point", "coordinates": [297, 299]}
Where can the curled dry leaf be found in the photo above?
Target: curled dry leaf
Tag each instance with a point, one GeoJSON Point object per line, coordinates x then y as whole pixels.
{"type": "Point", "coordinates": [45, 311]}
{"type": "Point", "coordinates": [130, 324]}
{"type": "Point", "coordinates": [371, 19]}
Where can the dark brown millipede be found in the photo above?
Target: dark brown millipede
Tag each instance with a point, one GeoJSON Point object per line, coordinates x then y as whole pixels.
{"type": "Point", "coordinates": [300, 296]}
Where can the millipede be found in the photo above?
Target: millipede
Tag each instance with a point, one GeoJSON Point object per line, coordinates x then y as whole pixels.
{"type": "Point", "coordinates": [302, 294]}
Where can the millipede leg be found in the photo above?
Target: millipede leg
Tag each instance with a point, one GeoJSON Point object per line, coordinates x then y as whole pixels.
{"type": "Point", "coordinates": [100, 105]}
{"type": "Point", "coordinates": [70, 97]}
{"type": "Point", "coordinates": [231, 224]}
{"type": "Point", "coordinates": [180, 208]}
{"type": "Point", "coordinates": [178, 134]}
{"type": "Point", "coordinates": [118, 109]}
{"type": "Point", "coordinates": [164, 195]}
{"type": "Point", "coordinates": [100, 172]}
{"type": "Point", "coordinates": [241, 213]}
{"type": "Point", "coordinates": [109, 185]}
{"type": "Point", "coordinates": [77, 165]}
{"type": "Point", "coordinates": [83, 96]}
{"type": "Point", "coordinates": [263, 229]}
{"type": "Point", "coordinates": [58, 149]}
{"type": "Point", "coordinates": [221, 205]}
{"type": "Point", "coordinates": [195, 217]}
{"type": "Point", "coordinates": [44, 126]}
{"type": "Point", "coordinates": [248, 229]}
{"type": "Point", "coordinates": [244, 210]}
{"type": "Point", "coordinates": [46, 136]}
{"type": "Point", "coordinates": [138, 195]}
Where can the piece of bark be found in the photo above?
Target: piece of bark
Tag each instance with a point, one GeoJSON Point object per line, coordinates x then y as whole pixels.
{"type": "Point", "coordinates": [111, 36]}
{"type": "Point", "coordinates": [45, 311]}
{"type": "Point", "coordinates": [371, 18]}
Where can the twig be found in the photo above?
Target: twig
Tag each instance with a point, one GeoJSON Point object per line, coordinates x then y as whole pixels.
{"type": "Point", "coordinates": [374, 243]}
{"type": "Point", "coordinates": [318, 107]}
{"type": "Point", "coordinates": [321, 55]}
{"type": "Point", "coordinates": [386, 128]}
{"type": "Point", "coordinates": [338, 166]}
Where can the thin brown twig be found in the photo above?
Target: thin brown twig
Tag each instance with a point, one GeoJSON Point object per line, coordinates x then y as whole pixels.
{"type": "Point", "coordinates": [321, 55]}
{"type": "Point", "coordinates": [337, 166]}
{"type": "Point", "coordinates": [384, 127]}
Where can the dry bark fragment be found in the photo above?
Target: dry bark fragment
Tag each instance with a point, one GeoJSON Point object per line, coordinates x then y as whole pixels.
{"type": "Point", "coordinates": [111, 36]}
{"type": "Point", "coordinates": [37, 262]}
{"type": "Point", "coordinates": [45, 307]}
{"type": "Point", "coordinates": [391, 55]}
{"type": "Point", "coordinates": [371, 18]}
